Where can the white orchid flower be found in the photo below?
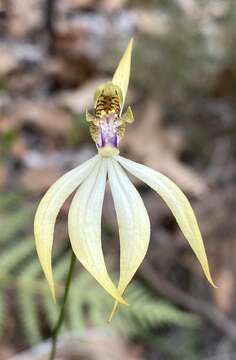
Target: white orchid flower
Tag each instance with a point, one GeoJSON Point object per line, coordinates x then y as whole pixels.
{"type": "Point", "coordinates": [107, 127]}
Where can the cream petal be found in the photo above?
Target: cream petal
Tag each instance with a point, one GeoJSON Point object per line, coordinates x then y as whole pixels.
{"type": "Point", "coordinates": [178, 204]}
{"type": "Point", "coordinates": [48, 210]}
{"type": "Point", "coordinates": [133, 223]}
{"type": "Point", "coordinates": [122, 73]}
{"type": "Point", "coordinates": [84, 224]}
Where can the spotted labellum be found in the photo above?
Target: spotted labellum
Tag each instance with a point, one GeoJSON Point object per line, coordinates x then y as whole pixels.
{"type": "Point", "coordinates": [107, 127]}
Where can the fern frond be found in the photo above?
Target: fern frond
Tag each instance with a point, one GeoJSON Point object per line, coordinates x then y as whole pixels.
{"type": "Point", "coordinates": [31, 269]}
{"type": "Point", "coordinates": [9, 199]}
{"type": "Point", "coordinates": [13, 223]}
{"type": "Point", "coordinates": [29, 313]}
{"type": "Point", "coordinates": [51, 311]}
{"type": "Point", "coordinates": [61, 269]}
{"type": "Point", "coordinates": [14, 254]}
{"type": "Point", "coordinates": [75, 308]}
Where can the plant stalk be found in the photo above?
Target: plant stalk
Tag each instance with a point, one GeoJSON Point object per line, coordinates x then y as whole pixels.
{"type": "Point", "coordinates": [60, 320]}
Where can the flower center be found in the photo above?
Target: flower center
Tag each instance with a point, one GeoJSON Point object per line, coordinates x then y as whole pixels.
{"type": "Point", "coordinates": [108, 131]}
{"type": "Point", "coordinates": [107, 127]}
{"type": "Point", "coordinates": [107, 111]}
{"type": "Point", "coordinates": [108, 151]}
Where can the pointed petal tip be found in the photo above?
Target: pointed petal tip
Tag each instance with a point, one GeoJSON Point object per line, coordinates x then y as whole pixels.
{"type": "Point", "coordinates": [210, 280]}
{"type": "Point", "coordinates": [50, 281]}
{"type": "Point", "coordinates": [114, 310]}
{"type": "Point", "coordinates": [214, 286]}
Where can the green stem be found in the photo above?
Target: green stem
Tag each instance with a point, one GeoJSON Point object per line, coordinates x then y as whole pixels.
{"type": "Point", "coordinates": [60, 320]}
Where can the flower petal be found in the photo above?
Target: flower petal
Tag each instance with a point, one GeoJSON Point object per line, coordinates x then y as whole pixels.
{"type": "Point", "coordinates": [178, 204]}
{"type": "Point", "coordinates": [84, 223]}
{"type": "Point", "coordinates": [122, 73]}
{"type": "Point", "coordinates": [133, 222]}
{"type": "Point", "coordinates": [48, 210]}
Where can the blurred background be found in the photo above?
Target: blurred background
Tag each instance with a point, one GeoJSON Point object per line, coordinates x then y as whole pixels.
{"type": "Point", "coordinates": [53, 55]}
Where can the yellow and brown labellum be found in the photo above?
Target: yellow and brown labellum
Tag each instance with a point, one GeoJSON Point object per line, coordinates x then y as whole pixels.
{"type": "Point", "coordinates": [108, 102]}
{"type": "Point", "coordinates": [107, 126]}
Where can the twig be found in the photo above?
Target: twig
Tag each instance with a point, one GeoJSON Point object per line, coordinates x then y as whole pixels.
{"type": "Point", "coordinates": [211, 313]}
{"type": "Point", "coordinates": [49, 22]}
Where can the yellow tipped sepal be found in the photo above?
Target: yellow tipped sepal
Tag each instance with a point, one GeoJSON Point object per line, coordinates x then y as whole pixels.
{"type": "Point", "coordinates": [178, 204]}
{"type": "Point", "coordinates": [48, 210]}
{"type": "Point", "coordinates": [122, 73]}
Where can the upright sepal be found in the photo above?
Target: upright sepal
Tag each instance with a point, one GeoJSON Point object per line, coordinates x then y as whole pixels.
{"type": "Point", "coordinates": [122, 73]}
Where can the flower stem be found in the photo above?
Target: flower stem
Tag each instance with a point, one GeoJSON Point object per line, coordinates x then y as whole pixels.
{"type": "Point", "coordinates": [60, 320]}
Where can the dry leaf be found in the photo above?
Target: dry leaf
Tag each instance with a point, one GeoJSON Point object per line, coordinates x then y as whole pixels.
{"type": "Point", "coordinates": [148, 142]}
{"type": "Point", "coordinates": [44, 116]}
{"type": "Point", "coordinates": [225, 291]}
{"type": "Point", "coordinates": [7, 60]}
{"type": "Point", "coordinates": [24, 16]}
{"type": "Point", "coordinates": [79, 100]}
{"type": "Point", "coordinates": [38, 180]}
{"type": "Point", "coordinates": [112, 5]}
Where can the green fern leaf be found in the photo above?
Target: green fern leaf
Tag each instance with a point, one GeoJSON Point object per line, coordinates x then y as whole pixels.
{"type": "Point", "coordinates": [29, 313]}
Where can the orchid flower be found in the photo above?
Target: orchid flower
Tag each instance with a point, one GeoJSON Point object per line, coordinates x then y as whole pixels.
{"type": "Point", "coordinates": [107, 127]}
